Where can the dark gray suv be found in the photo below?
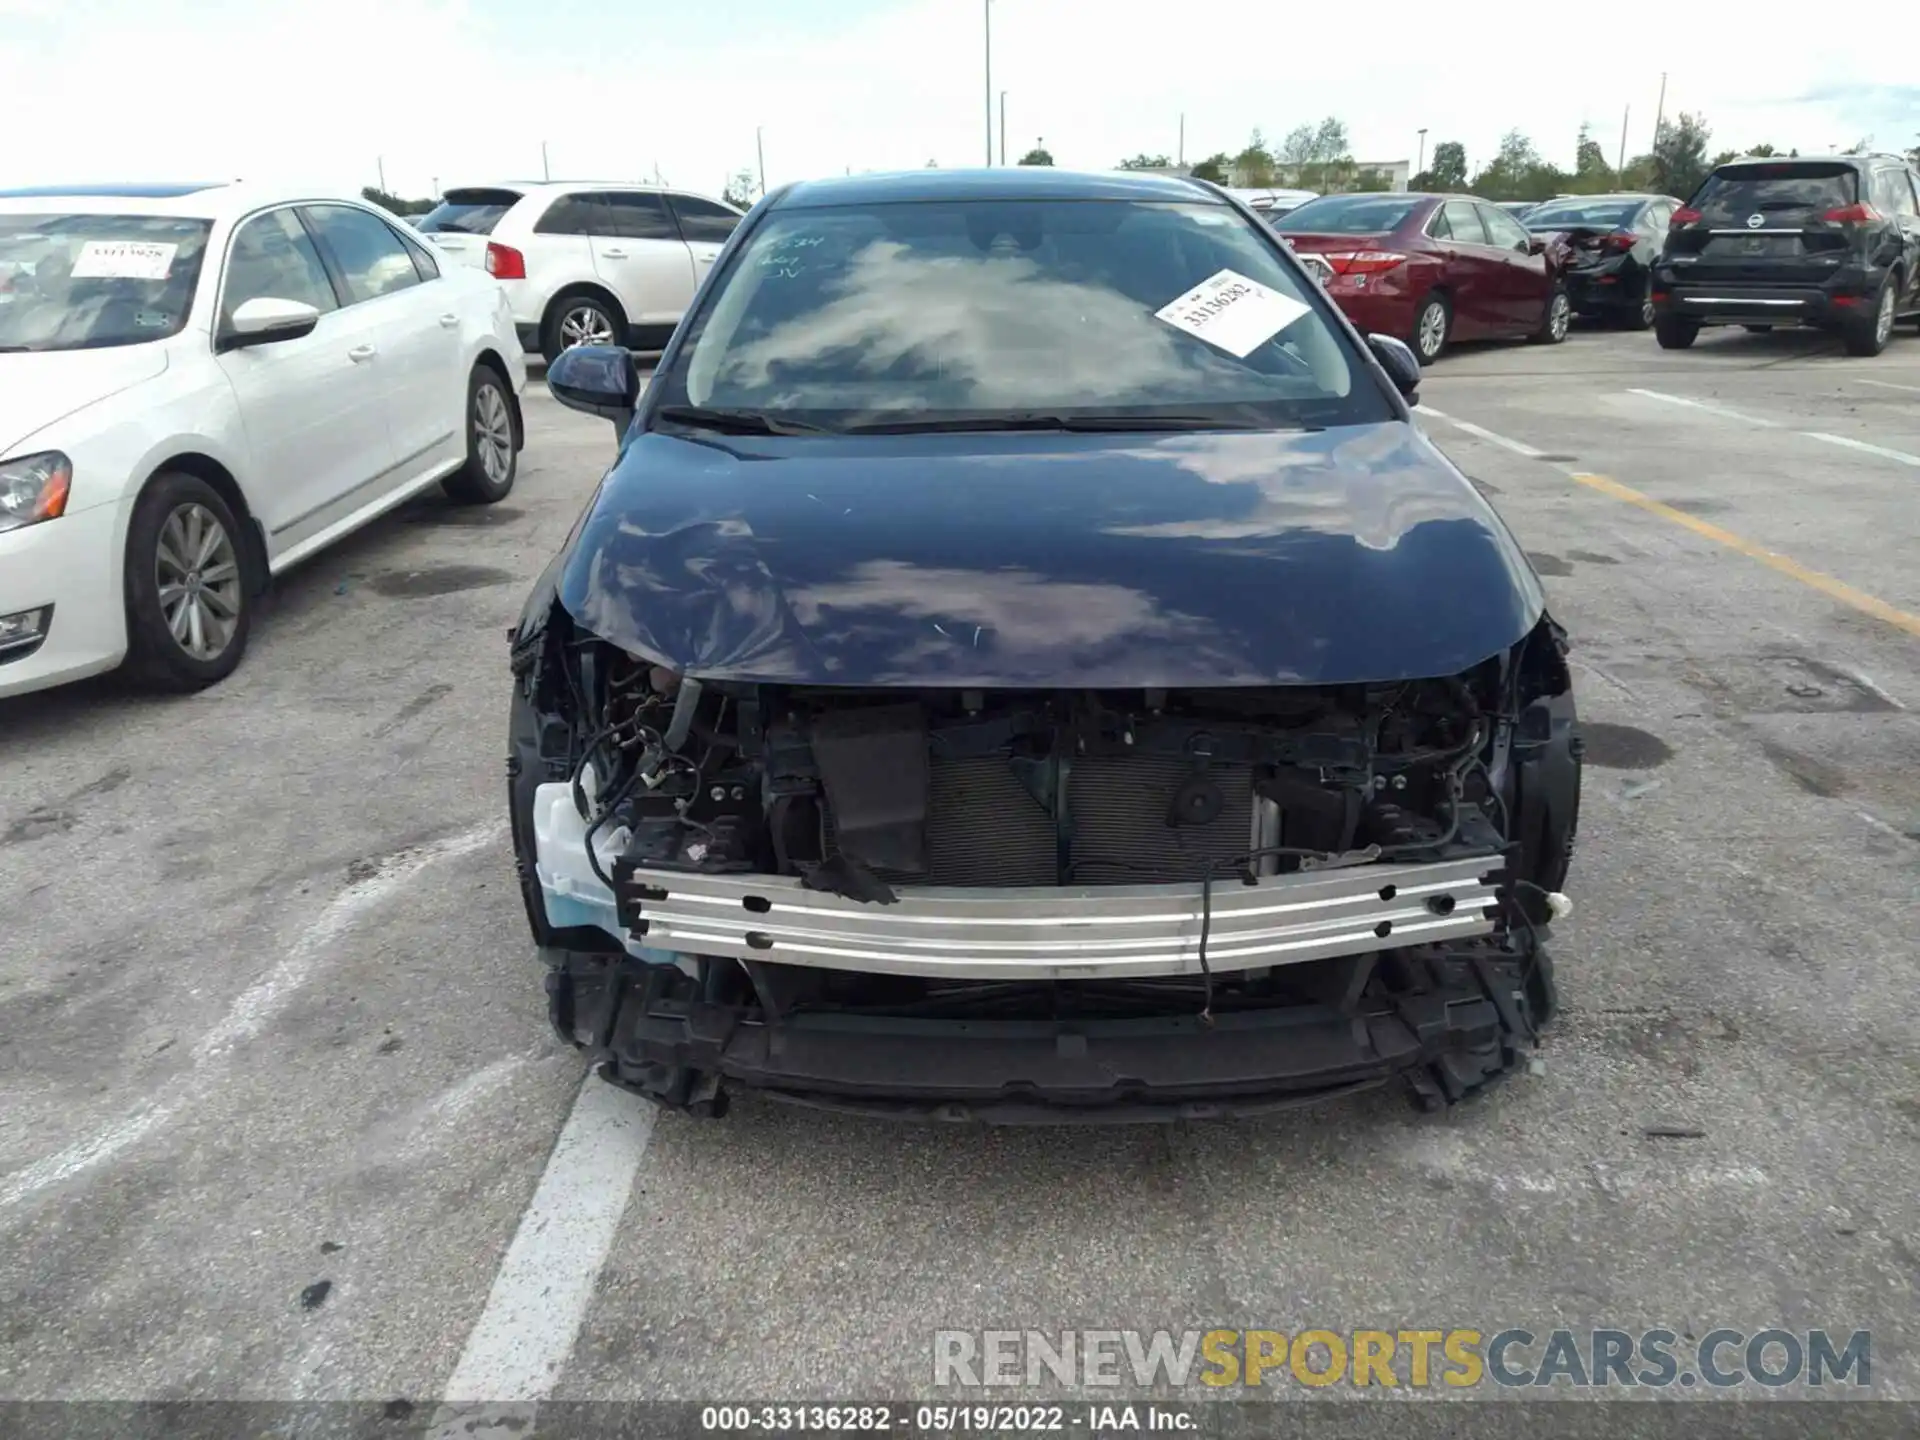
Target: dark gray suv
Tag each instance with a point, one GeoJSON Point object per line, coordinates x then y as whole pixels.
{"type": "Point", "coordinates": [1832, 242]}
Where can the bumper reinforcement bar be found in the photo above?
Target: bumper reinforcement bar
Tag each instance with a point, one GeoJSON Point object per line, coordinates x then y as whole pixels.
{"type": "Point", "coordinates": [1077, 932]}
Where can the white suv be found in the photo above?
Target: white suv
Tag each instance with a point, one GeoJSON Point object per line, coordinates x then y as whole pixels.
{"type": "Point", "coordinates": [585, 261]}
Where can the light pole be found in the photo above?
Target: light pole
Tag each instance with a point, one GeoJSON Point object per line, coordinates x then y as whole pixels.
{"type": "Point", "coordinates": [546, 171]}
{"type": "Point", "coordinates": [986, 12]}
{"type": "Point", "coordinates": [760, 149]}
{"type": "Point", "coordinates": [1003, 127]}
{"type": "Point", "coordinates": [1660, 111]}
{"type": "Point", "coordinates": [1421, 167]}
{"type": "Point", "coordinates": [380, 163]}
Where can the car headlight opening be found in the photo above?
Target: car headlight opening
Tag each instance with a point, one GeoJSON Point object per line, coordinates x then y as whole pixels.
{"type": "Point", "coordinates": [34, 488]}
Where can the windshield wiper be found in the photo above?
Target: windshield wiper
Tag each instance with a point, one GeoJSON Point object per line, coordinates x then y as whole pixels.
{"type": "Point", "coordinates": [15, 349]}
{"type": "Point", "coordinates": [1022, 420]}
{"type": "Point", "coordinates": [737, 422]}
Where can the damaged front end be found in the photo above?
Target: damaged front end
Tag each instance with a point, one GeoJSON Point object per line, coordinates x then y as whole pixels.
{"type": "Point", "coordinates": [1037, 904]}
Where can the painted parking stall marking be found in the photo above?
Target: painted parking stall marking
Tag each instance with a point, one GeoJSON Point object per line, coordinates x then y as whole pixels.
{"type": "Point", "coordinates": [1827, 585]}
{"type": "Point", "coordinates": [1231, 311]}
{"type": "Point", "coordinates": [1884, 452]}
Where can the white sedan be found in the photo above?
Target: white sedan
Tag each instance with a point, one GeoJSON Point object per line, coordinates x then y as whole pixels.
{"type": "Point", "coordinates": [202, 385]}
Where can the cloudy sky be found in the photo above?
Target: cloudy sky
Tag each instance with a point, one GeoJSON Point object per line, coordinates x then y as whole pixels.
{"type": "Point", "coordinates": [324, 91]}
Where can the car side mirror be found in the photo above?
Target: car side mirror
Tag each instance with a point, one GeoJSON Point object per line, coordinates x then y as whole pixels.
{"type": "Point", "coordinates": [265, 320]}
{"type": "Point", "coordinates": [597, 380]}
{"type": "Point", "coordinates": [1396, 357]}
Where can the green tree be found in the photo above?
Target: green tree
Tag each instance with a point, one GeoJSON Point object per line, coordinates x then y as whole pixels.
{"type": "Point", "coordinates": [1143, 161]}
{"type": "Point", "coordinates": [1214, 168]}
{"type": "Point", "coordinates": [1039, 155]}
{"type": "Point", "coordinates": [1449, 168]}
{"type": "Point", "coordinates": [1317, 157]}
{"type": "Point", "coordinates": [1591, 173]}
{"type": "Point", "coordinates": [1680, 155]}
{"type": "Point", "coordinates": [1254, 165]}
{"type": "Point", "coordinates": [739, 191]}
{"type": "Point", "coordinates": [1362, 182]}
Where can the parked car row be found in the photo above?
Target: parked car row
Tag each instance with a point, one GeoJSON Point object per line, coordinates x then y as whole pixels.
{"type": "Point", "coordinates": [1830, 242]}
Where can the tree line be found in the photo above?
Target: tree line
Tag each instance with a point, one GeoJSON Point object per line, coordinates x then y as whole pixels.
{"type": "Point", "coordinates": [1318, 157]}
{"type": "Point", "coordinates": [1677, 163]}
{"type": "Point", "coordinates": [1310, 157]}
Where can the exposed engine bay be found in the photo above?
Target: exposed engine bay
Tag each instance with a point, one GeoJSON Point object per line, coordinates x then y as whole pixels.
{"type": "Point", "coordinates": [764, 882]}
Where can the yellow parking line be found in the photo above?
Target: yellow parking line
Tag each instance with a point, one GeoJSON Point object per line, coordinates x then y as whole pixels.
{"type": "Point", "coordinates": [1834, 589]}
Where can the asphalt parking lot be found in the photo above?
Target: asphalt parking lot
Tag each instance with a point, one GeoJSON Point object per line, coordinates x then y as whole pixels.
{"type": "Point", "coordinates": [278, 1088]}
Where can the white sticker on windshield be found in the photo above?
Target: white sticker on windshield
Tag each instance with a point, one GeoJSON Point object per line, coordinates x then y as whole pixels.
{"type": "Point", "coordinates": [123, 260]}
{"type": "Point", "coordinates": [1233, 312]}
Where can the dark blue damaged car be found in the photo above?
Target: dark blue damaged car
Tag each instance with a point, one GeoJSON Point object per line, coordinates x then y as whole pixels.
{"type": "Point", "coordinates": [1025, 664]}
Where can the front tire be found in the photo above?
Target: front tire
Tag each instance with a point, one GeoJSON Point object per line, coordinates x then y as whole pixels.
{"type": "Point", "coordinates": [1675, 334]}
{"type": "Point", "coordinates": [493, 443]}
{"type": "Point", "coordinates": [581, 319]}
{"type": "Point", "coordinates": [1555, 321]}
{"type": "Point", "coordinates": [188, 611]}
{"type": "Point", "coordinates": [1869, 335]}
{"type": "Point", "coordinates": [1432, 327]}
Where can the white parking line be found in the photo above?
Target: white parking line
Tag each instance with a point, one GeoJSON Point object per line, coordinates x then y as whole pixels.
{"type": "Point", "coordinates": [1481, 432]}
{"type": "Point", "coordinates": [248, 1014]}
{"type": "Point", "coordinates": [1720, 410]}
{"type": "Point", "coordinates": [540, 1297]}
{"type": "Point", "coordinates": [1889, 385]}
{"type": "Point", "coordinates": [1881, 450]}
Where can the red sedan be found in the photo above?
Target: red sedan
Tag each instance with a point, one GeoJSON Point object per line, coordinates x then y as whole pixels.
{"type": "Point", "coordinates": [1431, 269]}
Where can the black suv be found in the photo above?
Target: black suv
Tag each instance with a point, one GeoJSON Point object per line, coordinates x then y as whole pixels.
{"type": "Point", "coordinates": [1832, 242]}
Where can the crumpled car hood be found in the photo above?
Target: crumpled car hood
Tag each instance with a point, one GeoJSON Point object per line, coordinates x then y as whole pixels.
{"type": "Point", "coordinates": [1045, 560]}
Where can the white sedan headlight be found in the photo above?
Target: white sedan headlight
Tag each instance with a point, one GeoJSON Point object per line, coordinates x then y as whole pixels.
{"type": "Point", "coordinates": [33, 488]}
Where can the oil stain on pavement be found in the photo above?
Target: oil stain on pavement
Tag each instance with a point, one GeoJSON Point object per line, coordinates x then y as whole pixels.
{"type": "Point", "coordinates": [1623, 747]}
{"type": "Point", "coordinates": [438, 580]}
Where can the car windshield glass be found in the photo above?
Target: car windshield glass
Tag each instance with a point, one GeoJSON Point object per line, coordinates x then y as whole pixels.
{"type": "Point", "coordinates": [468, 212]}
{"type": "Point", "coordinates": [78, 282]}
{"type": "Point", "coordinates": [1348, 215]}
{"type": "Point", "coordinates": [1733, 194]}
{"type": "Point", "coordinates": [943, 312]}
{"type": "Point", "coordinates": [1559, 215]}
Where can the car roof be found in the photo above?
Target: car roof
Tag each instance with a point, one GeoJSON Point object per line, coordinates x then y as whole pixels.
{"type": "Point", "coordinates": [148, 191]}
{"type": "Point", "coordinates": [215, 201]}
{"type": "Point", "coordinates": [1023, 182]}
{"type": "Point", "coordinates": [531, 187]}
{"type": "Point", "coordinates": [1619, 197]}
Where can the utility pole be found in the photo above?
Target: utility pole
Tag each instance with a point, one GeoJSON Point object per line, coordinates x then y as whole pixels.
{"type": "Point", "coordinates": [1003, 128]}
{"type": "Point", "coordinates": [1180, 155]}
{"type": "Point", "coordinates": [1421, 166]}
{"type": "Point", "coordinates": [1623, 139]}
{"type": "Point", "coordinates": [986, 11]}
{"type": "Point", "coordinates": [436, 187]}
{"type": "Point", "coordinates": [1661, 113]}
{"type": "Point", "coordinates": [760, 149]}
{"type": "Point", "coordinates": [380, 164]}
{"type": "Point", "coordinates": [546, 171]}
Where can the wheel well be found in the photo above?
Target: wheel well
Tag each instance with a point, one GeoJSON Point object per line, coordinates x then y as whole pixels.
{"type": "Point", "coordinates": [597, 292]}
{"type": "Point", "coordinates": [491, 359]}
{"type": "Point", "coordinates": [253, 549]}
